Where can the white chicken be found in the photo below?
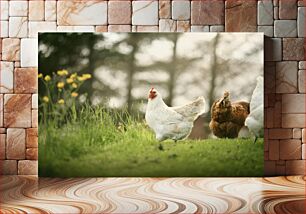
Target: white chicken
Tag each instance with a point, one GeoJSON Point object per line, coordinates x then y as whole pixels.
{"type": "Point", "coordinates": [171, 122]}
{"type": "Point", "coordinates": [254, 121]}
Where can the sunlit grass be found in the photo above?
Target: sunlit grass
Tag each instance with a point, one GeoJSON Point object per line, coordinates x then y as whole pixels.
{"type": "Point", "coordinates": [101, 142]}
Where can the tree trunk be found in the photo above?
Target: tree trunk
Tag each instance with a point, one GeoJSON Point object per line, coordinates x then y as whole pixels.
{"type": "Point", "coordinates": [213, 72]}
{"type": "Point", "coordinates": [131, 69]}
{"type": "Point", "coordinates": [172, 72]}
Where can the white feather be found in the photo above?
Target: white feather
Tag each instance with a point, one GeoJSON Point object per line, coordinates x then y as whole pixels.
{"type": "Point", "coordinates": [172, 122]}
{"type": "Point", "coordinates": [254, 121]}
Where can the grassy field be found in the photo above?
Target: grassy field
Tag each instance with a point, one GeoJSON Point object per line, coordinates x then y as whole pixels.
{"type": "Point", "coordinates": [102, 143]}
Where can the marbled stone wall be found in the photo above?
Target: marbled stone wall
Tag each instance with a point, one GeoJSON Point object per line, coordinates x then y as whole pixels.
{"type": "Point", "coordinates": [282, 21]}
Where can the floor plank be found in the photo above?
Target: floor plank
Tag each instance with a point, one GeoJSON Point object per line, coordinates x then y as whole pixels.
{"type": "Point", "coordinates": [140, 195]}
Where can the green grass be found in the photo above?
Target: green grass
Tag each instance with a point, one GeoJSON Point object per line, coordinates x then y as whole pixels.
{"type": "Point", "coordinates": [103, 143]}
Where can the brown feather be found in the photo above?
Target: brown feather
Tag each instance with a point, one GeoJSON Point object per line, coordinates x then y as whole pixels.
{"type": "Point", "coordinates": [228, 118]}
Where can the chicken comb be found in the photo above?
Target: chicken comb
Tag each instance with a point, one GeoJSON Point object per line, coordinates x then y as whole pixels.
{"type": "Point", "coordinates": [152, 89]}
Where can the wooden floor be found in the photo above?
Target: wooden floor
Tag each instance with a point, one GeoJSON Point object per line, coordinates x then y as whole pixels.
{"type": "Point", "coordinates": [152, 195]}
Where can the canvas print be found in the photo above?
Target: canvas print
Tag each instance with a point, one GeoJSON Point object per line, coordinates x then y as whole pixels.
{"type": "Point", "coordinates": [151, 104]}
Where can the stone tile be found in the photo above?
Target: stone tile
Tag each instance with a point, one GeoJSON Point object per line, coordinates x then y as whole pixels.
{"type": "Point", "coordinates": [140, 28]}
{"type": "Point", "coordinates": [293, 103]}
{"type": "Point", "coordinates": [297, 133]}
{"type": "Point", "coordinates": [1, 110]}
{"type": "Point", "coordinates": [301, 3]}
{"type": "Point", "coordinates": [145, 13]}
{"type": "Point", "coordinates": [11, 49]}
{"type": "Point", "coordinates": [119, 28]}
{"type": "Point", "coordinates": [8, 167]}
{"type": "Point", "coordinates": [301, 22]}
{"type": "Point", "coordinates": [36, 26]}
{"type": "Point", "coordinates": [267, 30]}
{"type": "Point", "coordinates": [269, 115]}
{"type": "Point", "coordinates": [280, 170]}
{"type": "Point", "coordinates": [199, 28]}
{"type": "Point", "coordinates": [2, 130]}
{"type": "Point", "coordinates": [34, 118]}
{"type": "Point", "coordinates": [27, 167]}
{"type": "Point", "coordinates": [293, 120]}
{"type": "Point", "coordinates": [287, 9]}
{"type": "Point", "coordinates": [134, 29]}
{"type": "Point", "coordinates": [75, 29]}
{"type": "Point", "coordinates": [34, 101]}
{"type": "Point", "coordinates": [26, 80]}
{"type": "Point", "coordinates": [304, 135]}
{"type": "Point", "coordinates": [119, 12]}
{"type": "Point", "coordinates": [50, 10]}
{"type": "Point", "coordinates": [286, 77]}
{"type": "Point", "coordinates": [32, 138]}
{"type": "Point", "coordinates": [269, 78]}
{"type": "Point", "coordinates": [2, 146]}
{"type": "Point", "coordinates": [295, 167]}
{"type": "Point", "coordinates": [29, 53]}
{"type": "Point", "coordinates": [273, 149]}
{"type": "Point", "coordinates": [101, 28]}
{"type": "Point", "coordinates": [17, 110]}
{"type": "Point", "coordinates": [4, 10]}
{"type": "Point", "coordinates": [269, 168]}
{"type": "Point", "coordinates": [18, 8]}
{"type": "Point", "coordinates": [277, 114]}
{"type": "Point", "coordinates": [301, 81]}
{"type": "Point", "coordinates": [164, 9]}
{"type": "Point", "coordinates": [17, 64]}
{"type": "Point", "coordinates": [91, 12]}
{"type": "Point", "coordinates": [293, 49]}
{"type": "Point", "coordinates": [239, 16]}
{"type": "Point", "coordinates": [285, 28]}
{"type": "Point", "coordinates": [265, 12]}
{"type": "Point", "coordinates": [275, 3]}
{"type": "Point", "coordinates": [18, 27]}
{"type": "Point", "coordinates": [32, 154]}
{"type": "Point", "coordinates": [304, 151]}
{"type": "Point", "coordinates": [15, 144]}
{"type": "Point", "coordinates": [6, 77]}
{"type": "Point", "coordinates": [167, 25]}
{"type": "Point", "coordinates": [183, 26]}
{"type": "Point", "coordinates": [4, 29]}
{"type": "Point", "coordinates": [280, 134]}
{"type": "Point", "coordinates": [207, 12]}
{"type": "Point", "coordinates": [302, 65]}
{"type": "Point", "coordinates": [290, 149]}
{"type": "Point", "coordinates": [180, 10]}
{"type": "Point", "coordinates": [36, 10]}
{"type": "Point", "coordinates": [217, 28]}
{"type": "Point", "coordinates": [275, 13]}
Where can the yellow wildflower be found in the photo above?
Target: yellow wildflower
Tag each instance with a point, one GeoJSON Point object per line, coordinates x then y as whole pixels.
{"type": "Point", "coordinates": [46, 99]}
{"type": "Point", "coordinates": [40, 75]}
{"type": "Point", "coordinates": [69, 80]}
{"type": "Point", "coordinates": [74, 94]}
{"type": "Point", "coordinates": [60, 84]}
{"type": "Point", "coordinates": [47, 78]}
{"type": "Point", "coordinates": [81, 78]}
{"type": "Point", "coordinates": [86, 76]}
{"type": "Point", "coordinates": [62, 72]}
{"type": "Point", "coordinates": [73, 76]}
{"type": "Point", "coordinates": [61, 101]}
{"type": "Point", "coordinates": [74, 85]}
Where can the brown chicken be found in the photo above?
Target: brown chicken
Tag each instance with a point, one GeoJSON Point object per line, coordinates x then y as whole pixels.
{"type": "Point", "coordinates": [228, 118]}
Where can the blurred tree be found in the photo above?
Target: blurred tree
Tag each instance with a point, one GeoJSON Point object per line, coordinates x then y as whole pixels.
{"type": "Point", "coordinates": [76, 52]}
{"type": "Point", "coordinates": [174, 67]}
